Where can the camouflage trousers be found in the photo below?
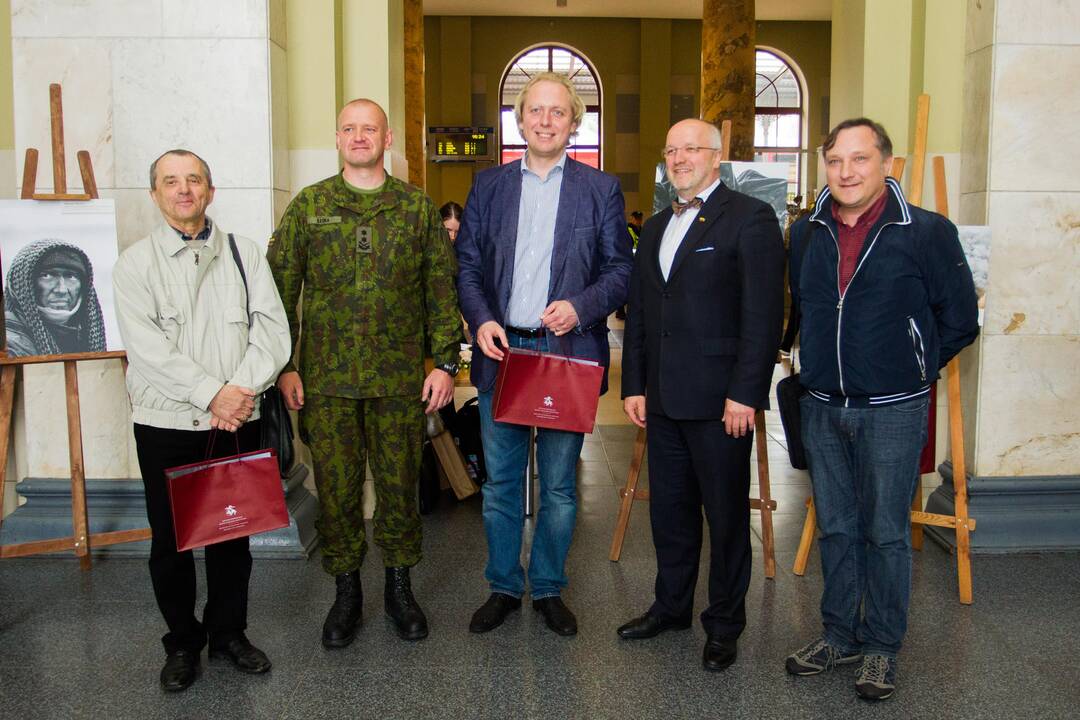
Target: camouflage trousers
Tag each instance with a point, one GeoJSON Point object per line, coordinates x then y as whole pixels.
{"type": "Point", "coordinates": [344, 434]}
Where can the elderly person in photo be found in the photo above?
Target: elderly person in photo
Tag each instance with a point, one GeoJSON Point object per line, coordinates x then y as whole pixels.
{"type": "Point", "coordinates": [50, 305]}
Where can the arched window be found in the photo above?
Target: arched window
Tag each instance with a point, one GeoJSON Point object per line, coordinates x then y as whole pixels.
{"type": "Point", "coordinates": [778, 117]}
{"type": "Point", "coordinates": [585, 144]}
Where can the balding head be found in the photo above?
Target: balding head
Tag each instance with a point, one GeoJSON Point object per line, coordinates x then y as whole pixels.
{"type": "Point", "coordinates": [363, 136]}
{"type": "Point", "coordinates": [364, 102]}
{"type": "Point", "coordinates": [692, 155]}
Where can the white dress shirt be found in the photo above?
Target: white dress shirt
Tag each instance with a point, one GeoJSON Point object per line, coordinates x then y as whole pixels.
{"type": "Point", "coordinates": [676, 230]}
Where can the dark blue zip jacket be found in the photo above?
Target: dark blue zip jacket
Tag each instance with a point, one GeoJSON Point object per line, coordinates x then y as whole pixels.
{"type": "Point", "coordinates": [909, 308]}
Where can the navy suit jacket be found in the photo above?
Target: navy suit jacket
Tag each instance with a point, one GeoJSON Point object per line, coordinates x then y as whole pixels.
{"type": "Point", "coordinates": [711, 330]}
{"type": "Point", "coordinates": [590, 262]}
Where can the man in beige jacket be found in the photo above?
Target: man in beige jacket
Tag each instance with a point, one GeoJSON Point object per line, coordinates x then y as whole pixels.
{"type": "Point", "coordinates": [202, 344]}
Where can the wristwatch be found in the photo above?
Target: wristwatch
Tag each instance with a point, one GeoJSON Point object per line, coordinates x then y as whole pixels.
{"type": "Point", "coordinates": [449, 368]}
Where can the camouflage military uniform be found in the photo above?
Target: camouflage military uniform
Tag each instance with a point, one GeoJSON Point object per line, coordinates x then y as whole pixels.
{"type": "Point", "coordinates": [376, 271]}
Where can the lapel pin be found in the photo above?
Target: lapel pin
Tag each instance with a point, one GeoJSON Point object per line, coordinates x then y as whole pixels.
{"type": "Point", "coordinates": [700, 219]}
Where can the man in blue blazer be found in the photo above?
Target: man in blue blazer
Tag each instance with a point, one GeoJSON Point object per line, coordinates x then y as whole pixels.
{"type": "Point", "coordinates": [706, 307]}
{"type": "Point", "coordinates": [544, 258]}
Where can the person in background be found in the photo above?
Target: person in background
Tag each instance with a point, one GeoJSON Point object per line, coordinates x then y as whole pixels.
{"type": "Point", "coordinates": [451, 219]}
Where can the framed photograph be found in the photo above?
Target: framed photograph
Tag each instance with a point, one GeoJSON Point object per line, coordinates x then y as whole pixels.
{"type": "Point", "coordinates": [57, 260]}
{"type": "Point", "coordinates": [766, 181]}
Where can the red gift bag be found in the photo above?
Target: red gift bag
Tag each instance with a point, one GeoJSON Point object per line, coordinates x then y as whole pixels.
{"type": "Point", "coordinates": [549, 391]}
{"type": "Point", "coordinates": [226, 498]}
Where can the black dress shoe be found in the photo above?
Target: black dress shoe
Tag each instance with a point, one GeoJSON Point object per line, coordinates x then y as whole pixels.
{"type": "Point", "coordinates": [179, 671]}
{"type": "Point", "coordinates": [556, 615]}
{"type": "Point", "coordinates": [401, 606]}
{"type": "Point", "coordinates": [345, 614]}
{"type": "Point", "coordinates": [649, 625]}
{"type": "Point", "coordinates": [492, 613]}
{"type": "Point", "coordinates": [241, 653]}
{"type": "Point", "coordinates": [719, 653]}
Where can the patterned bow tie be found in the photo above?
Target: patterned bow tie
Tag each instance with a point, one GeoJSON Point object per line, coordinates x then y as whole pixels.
{"type": "Point", "coordinates": [681, 207]}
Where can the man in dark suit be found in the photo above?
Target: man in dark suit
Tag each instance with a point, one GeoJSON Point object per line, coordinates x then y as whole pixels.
{"type": "Point", "coordinates": [543, 253]}
{"type": "Point", "coordinates": [706, 306]}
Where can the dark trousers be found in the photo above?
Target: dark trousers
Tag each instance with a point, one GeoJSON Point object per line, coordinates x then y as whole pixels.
{"type": "Point", "coordinates": [228, 564]}
{"type": "Point", "coordinates": [695, 464]}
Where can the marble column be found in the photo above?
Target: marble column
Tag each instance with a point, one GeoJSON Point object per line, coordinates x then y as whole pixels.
{"type": "Point", "coordinates": [139, 78]}
{"type": "Point", "coordinates": [727, 70]}
{"type": "Point", "coordinates": [415, 130]}
{"type": "Point", "coordinates": [1020, 385]}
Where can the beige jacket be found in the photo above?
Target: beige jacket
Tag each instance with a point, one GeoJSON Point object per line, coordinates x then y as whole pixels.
{"type": "Point", "coordinates": [185, 328]}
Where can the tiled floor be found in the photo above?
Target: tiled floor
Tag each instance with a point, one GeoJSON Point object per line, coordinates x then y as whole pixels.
{"type": "Point", "coordinates": [84, 645]}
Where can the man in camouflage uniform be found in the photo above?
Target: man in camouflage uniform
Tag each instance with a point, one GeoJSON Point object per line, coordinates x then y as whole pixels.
{"type": "Point", "coordinates": [373, 264]}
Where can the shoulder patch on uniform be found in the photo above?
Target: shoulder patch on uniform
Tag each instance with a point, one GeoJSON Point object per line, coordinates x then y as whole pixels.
{"type": "Point", "coordinates": [323, 219]}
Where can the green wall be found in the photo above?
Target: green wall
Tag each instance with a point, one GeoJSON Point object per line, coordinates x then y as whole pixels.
{"type": "Point", "coordinates": [470, 61]}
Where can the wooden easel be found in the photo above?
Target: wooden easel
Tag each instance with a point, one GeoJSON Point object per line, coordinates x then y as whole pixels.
{"type": "Point", "coordinates": [960, 522]}
{"type": "Point", "coordinates": [765, 504]}
{"type": "Point", "coordinates": [81, 539]}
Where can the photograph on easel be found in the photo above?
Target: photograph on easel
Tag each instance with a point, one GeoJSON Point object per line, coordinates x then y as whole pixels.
{"type": "Point", "coordinates": [57, 260]}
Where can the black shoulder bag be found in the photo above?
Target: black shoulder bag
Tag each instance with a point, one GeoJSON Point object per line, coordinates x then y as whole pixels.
{"type": "Point", "coordinates": [788, 392]}
{"type": "Point", "coordinates": [276, 428]}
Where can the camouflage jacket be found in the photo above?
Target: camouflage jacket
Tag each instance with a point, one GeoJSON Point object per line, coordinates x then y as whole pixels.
{"type": "Point", "coordinates": [376, 273]}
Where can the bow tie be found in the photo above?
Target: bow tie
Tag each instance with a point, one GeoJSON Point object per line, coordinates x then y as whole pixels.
{"type": "Point", "coordinates": [680, 207]}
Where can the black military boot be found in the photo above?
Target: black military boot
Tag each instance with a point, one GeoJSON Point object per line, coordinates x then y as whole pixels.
{"type": "Point", "coordinates": [346, 613]}
{"type": "Point", "coordinates": [401, 606]}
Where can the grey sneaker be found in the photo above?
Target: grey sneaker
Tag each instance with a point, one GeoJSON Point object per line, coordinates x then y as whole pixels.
{"type": "Point", "coordinates": [817, 657]}
{"type": "Point", "coordinates": [877, 678]}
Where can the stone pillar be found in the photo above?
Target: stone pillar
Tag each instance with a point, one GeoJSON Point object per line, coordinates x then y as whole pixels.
{"type": "Point", "coordinates": [315, 92]}
{"type": "Point", "coordinates": [128, 96]}
{"type": "Point", "coordinates": [727, 70]}
{"type": "Point", "coordinates": [416, 132]}
{"type": "Point", "coordinates": [373, 65]}
{"type": "Point", "coordinates": [1020, 386]}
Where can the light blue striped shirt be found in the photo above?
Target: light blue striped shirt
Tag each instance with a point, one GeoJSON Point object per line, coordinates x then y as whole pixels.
{"type": "Point", "coordinates": [535, 242]}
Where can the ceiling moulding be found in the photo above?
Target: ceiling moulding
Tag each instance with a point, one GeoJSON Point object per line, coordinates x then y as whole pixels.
{"type": "Point", "coordinates": [676, 9]}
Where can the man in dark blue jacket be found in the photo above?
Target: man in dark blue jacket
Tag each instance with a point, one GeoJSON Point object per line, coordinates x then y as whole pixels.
{"type": "Point", "coordinates": [886, 300]}
{"type": "Point", "coordinates": [543, 254]}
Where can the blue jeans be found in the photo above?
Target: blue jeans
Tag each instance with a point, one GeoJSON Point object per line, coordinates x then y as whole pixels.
{"type": "Point", "coordinates": [506, 455]}
{"type": "Point", "coordinates": [864, 467]}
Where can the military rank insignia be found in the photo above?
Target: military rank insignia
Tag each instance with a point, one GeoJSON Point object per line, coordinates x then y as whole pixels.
{"type": "Point", "coordinates": [363, 239]}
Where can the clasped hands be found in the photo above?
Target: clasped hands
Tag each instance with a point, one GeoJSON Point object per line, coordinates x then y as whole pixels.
{"type": "Point", "coordinates": [231, 407]}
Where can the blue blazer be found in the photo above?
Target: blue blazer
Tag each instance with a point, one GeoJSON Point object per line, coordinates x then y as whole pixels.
{"type": "Point", "coordinates": [590, 262]}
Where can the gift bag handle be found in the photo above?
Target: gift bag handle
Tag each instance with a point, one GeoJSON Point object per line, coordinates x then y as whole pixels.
{"type": "Point", "coordinates": [213, 437]}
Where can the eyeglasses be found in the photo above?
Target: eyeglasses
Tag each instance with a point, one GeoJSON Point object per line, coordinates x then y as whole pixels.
{"type": "Point", "coordinates": [691, 150]}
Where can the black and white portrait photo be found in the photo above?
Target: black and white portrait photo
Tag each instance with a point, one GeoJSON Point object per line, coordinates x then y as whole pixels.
{"type": "Point", "coordinates": [57, 265]}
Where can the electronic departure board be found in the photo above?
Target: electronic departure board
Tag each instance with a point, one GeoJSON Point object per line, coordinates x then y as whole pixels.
{"type": "Point", "coordinates": [461, 144]}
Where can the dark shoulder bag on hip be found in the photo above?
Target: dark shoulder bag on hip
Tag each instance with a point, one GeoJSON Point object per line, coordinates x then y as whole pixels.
{"type": "Point", "coordinates": [276, 428]}
{"type": "Point", "coordinates": [788, 393]}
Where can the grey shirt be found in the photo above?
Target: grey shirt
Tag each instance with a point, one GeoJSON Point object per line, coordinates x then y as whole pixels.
{"type": "Point", "coordinates": [535, 242]}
